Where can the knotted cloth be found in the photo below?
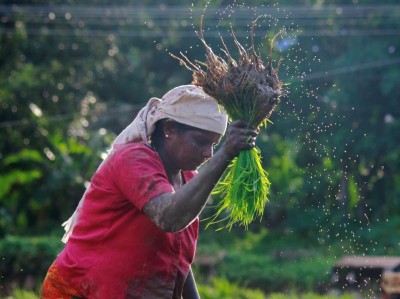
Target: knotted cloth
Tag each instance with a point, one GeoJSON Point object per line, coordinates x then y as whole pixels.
{"type": "Point", "coordinates": [186, 104]}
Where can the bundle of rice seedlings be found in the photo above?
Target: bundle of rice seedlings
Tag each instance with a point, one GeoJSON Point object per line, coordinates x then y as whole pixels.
{"type": "Point", "coordinates": [248, 90]}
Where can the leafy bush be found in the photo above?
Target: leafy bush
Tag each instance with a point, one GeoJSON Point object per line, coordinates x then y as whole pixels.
{"type": "Point", "coordinates": [22, 294]}
{"type": "Point", "coordinates": [223, 289]}
{"type": "Point", "coordinates": [269, 261]}
{"type": "Point", "coordinates": [274, 274]}
{"type": "Point", "coordinates": [309, 296]}
{"type": "Point", "coordinates": [25, 260]}
{"type": "Point", "coordinates": [382, 238]}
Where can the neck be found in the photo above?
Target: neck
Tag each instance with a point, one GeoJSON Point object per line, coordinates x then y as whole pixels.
{"type": "Point", "coordinates": [173, 173]}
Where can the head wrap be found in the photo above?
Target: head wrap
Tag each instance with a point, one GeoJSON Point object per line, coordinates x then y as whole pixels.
{"type": "Point", "coordinates": [186, 104]}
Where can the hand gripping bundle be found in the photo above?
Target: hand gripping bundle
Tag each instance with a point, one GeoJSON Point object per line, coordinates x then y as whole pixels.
{"type": "Point", "coordinates": [248, 90]}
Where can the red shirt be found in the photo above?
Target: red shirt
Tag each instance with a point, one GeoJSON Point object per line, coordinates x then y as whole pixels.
{"type": "Point", "coordinates": [115, 251]}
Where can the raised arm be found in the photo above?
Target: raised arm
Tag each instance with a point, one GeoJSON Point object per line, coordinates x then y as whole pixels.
{"type": "Point", "coordinates": [173, 212]}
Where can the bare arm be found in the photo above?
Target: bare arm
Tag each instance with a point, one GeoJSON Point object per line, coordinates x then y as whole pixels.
{"type": "Point", "coordinates": [173, 212]}
{"type": "Point", "coordinates": [189, 288]}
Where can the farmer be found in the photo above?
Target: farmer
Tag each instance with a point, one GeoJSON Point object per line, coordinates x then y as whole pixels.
{"type": "Point", "coordinates": [134, 232]}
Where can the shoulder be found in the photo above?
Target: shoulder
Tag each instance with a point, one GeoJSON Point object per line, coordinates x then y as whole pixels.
{"type": "Point", "coordinates": [133, 150]}
{"type": "Point", "coordinates": [120, 149]}
{"type": "Point", "coordinates": [134, 155]}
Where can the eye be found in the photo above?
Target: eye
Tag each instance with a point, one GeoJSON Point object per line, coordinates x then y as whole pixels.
{"type": "Point", "coordinates": [204, 140]}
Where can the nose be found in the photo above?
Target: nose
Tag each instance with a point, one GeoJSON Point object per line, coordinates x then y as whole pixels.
{"type": "Point", "coordinates": [208, 152]}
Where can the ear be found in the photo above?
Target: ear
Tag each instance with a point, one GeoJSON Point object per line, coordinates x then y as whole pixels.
{"type": "Point", "coordinates": [169, 128]}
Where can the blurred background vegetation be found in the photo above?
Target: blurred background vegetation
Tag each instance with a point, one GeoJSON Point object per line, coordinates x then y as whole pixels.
{"type": "Point", "coordinates": [73, 75]}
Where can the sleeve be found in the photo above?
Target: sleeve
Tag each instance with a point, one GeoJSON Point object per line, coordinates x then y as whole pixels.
{"type": "Point", "coordinates": [139, 175]}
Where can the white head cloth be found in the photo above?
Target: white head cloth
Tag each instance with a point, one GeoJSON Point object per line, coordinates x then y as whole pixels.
{"type": "Point", "coordinates": [186, 104]}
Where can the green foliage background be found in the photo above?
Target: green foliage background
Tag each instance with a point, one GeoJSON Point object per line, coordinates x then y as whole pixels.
{"type": "Point", "coordinates": [72, 76]}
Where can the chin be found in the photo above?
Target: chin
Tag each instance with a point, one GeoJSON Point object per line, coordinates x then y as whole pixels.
{"type": "Point", "coordinates": [192, 167]}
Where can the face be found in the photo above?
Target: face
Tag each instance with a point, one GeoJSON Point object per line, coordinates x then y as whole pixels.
{"type": "Point", "coordinates": [190, 148]}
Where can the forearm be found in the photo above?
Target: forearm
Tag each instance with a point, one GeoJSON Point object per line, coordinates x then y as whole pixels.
{"type": "Point", "coordinates": [174, 211]}
{"type": "Point", "coordinates": [189, 288]}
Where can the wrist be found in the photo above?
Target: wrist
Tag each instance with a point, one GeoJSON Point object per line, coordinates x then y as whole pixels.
{"type": "Point", "coordinates": [225, 155]}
